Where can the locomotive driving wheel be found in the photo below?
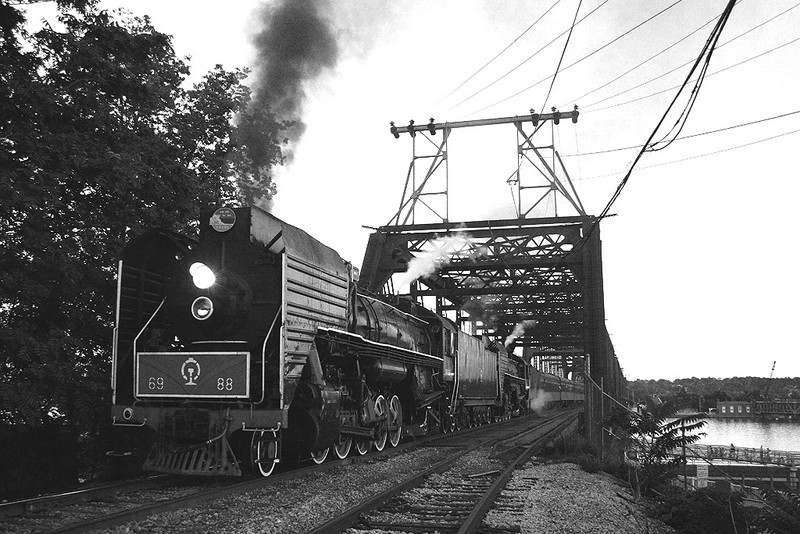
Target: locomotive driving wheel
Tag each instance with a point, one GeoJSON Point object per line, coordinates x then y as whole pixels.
{"type": "Point", "coordinates": [319, 456]}
{"type": "Point", "coordinates": [344, 443]}
{"type": "Point", "coordinates": [342, 446]}
{"type": "Point", "coordinates": [382, 429]}
{"type": "Point", "coordinates": [363, 446]}
{"type": "Point", "coordinates": [264, 452]}
{"type": "Point", "coordinates": [395, 421]}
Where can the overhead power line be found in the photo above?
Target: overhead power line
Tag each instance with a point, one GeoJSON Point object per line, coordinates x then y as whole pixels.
{"type": "Point", "coordinates": [501, 52]}
{"type": "Point", "coordinates": [556, 38]}
{"type": "Point", "coordinates": [729, 41]}
{"type": "Point", "coordinates": [704, 58]}
{"type": "Point", "coordinates": [584, 110]}
{"type": "Point", "coordinates": [700, 134]}
{"type": "Point", "coordinates": [587, 56]}
{"type": "Point", "coordinates": [563, 52]}
{"type": "Point", "coordinates": [703, 155]}
{"type": "Point", "coordinates": [670, 47]}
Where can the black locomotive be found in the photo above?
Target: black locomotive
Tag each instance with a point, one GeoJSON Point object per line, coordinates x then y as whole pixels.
{"type": "Point", "coordinates": [255, 345]}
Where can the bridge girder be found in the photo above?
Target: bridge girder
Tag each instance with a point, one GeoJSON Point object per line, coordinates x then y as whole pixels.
{"type": "Point", "coordinates": [498, 274]}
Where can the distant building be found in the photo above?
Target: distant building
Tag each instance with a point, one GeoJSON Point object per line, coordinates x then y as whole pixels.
{"type": "Point", "coordinates": [734, 409]}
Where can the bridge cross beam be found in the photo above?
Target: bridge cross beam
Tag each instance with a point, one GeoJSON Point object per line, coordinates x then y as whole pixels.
{"type": "Point", "coordinates": [428, 190]}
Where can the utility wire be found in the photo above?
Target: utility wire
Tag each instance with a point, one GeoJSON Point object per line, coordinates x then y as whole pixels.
{"type": "Point", "coordinates": [462, 84]}
{"type": "Point", "coordinates": [706, 52]}
{"type": "Point", "coordinates": [563, 52]}
{"type": "Point", "coordinates": [681, 121]}
{"type": "Point", "coordinates": [676, 86]}
{"type": "Point", "coordinates": [673, 45]}
{"type": "Point", "coordinates": [707, 49]}
{"type": "Point", "coordinates": [718, 130]}
{"type": "Point", "coordinates": [556, 38]}
{"type": "Point", "coordinates": [587, 56]}
{"type": "Point", "coordinates": [705, 154]}
{"type": "Point", "coordinates": [589, 106]}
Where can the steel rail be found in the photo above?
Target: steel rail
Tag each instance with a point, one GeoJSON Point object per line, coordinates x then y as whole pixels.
{"type": "Point", "coordinates": [37, 504]}
{"type": "Point", "coordinates": [474, 519]}
{"type": "Point", "coordinates": [201, 497]}
{"type": "Point", "coordinates": [351, 516]}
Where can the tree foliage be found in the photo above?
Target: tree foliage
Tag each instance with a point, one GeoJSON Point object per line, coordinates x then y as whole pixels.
{"type": "Point", "coordinates": [657, 437]}
{"type": "Point", "coordinates": [781, 513]}
{"type": "Point", "coordinates": [703, 393]}
{"type": "Point", "coordinates": [703, 511]}
{"type": "Point", "coordinates": [99, 140]}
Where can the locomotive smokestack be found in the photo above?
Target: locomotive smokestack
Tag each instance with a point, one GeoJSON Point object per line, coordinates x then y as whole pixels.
{"type": "Point", "coordinates": [295, 45]}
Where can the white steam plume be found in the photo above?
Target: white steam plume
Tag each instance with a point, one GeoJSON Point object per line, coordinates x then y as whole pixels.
{"type": "Point", "coordinates": [539, 400]}
{"type": "Point", "coordinates": [432, 261]}
{"type": "Point", "coordinates": [519, 330]}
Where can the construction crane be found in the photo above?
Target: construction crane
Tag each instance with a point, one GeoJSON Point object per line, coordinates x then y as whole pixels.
{"type": "Point", "coordinates": [769, 382]}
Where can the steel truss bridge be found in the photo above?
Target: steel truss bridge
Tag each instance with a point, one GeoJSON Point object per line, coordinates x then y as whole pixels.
{"type": "Point", "coordinates": [777, 407]}
{"type": "Point", "coordinates": [534, 280]}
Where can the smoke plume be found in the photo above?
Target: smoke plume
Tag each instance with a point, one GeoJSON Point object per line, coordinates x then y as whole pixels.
{"type": "Point", "coordinates": [295, 45]}
{"type": "Point", "coordinates": [430, 262]}
{"type": "Point", "coordinates": [519, 330]}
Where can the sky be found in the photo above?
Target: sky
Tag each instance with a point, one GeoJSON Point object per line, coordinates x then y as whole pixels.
{"type": "Point", "coordinates": [700, 259]}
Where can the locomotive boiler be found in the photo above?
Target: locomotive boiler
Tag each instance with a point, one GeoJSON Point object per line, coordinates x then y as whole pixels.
{"type": "Point", "coordinates": [253, 345]}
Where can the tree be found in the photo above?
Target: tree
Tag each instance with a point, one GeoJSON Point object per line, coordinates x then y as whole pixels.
{"type": "Point", "coordinates": [659, 437]}
{"type": "Point", "coordinates": [780, 513]}
{"type": "Point", "coordinates": [98, 142]}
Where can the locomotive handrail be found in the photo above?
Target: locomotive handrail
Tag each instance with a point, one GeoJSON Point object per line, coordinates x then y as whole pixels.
{"type": "Point", "coordinates": [115, 335]}
{"type": "Point", "coordinates": [392, 309]}
{"type": "Point", "coordinates": [114, 423]}
{"type": "Point", "coordinates": [264, 358]}
{"type": "Point", "coordinates": [136, 340]}
{"type": "Point", "coordinates": [254, 429]}
{"type": "Point", "coordinates": [355, 339]}
{"type": "Point", "coordinates": [451, 410]}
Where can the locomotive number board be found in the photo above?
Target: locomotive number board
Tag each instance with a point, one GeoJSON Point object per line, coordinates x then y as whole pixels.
{"type": "Point", "coordinates": [217, 375]}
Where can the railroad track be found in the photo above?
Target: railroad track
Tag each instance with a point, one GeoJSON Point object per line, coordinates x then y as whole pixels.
{"type": "Point", "coordinates": [451, 501]}
{"type": "Point", "coordinates": [121, 504]}
{"type": "Point", "coordinates": [103, 506]}
{"type": "Point", "coordinates": [101, 491]}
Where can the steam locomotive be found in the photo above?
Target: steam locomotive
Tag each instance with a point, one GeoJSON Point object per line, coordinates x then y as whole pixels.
{"type": "Point", "coordinates": [255, 345]}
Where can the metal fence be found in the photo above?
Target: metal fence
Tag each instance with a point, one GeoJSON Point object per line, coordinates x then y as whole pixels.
{"type": "Point", "coordinates": [744, 454]}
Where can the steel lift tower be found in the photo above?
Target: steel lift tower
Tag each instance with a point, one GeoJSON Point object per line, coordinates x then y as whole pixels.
{"type": "Point", "coordinates": [531, 281]}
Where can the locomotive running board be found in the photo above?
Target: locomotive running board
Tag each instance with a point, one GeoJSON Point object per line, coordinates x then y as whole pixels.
{"type": "Point", "coordinates": [366, 347]}
{"type": "Point", "coordinates": [212, 458]}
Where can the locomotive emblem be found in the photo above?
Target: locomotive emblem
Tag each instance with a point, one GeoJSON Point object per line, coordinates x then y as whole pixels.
{"type": "Point", "coordinates": [223, 219]}
{"type": "Point", "coordinates": [190, 371]}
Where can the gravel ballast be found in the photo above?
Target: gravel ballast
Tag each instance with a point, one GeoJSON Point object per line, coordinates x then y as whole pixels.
{"type": "Point", "coordinates": [564, 499]}
{"type": "Point", "coordinates": [540, 498]}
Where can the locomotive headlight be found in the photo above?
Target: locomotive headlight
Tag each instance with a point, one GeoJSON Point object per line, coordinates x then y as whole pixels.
{"type": "Point", "coordinates": [202, 308]}
{"type": "Point", "coordinates": [202, 276]}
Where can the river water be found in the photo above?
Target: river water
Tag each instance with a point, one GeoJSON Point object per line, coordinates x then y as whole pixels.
{"type": "Point", "coordinates": [776, 435]}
